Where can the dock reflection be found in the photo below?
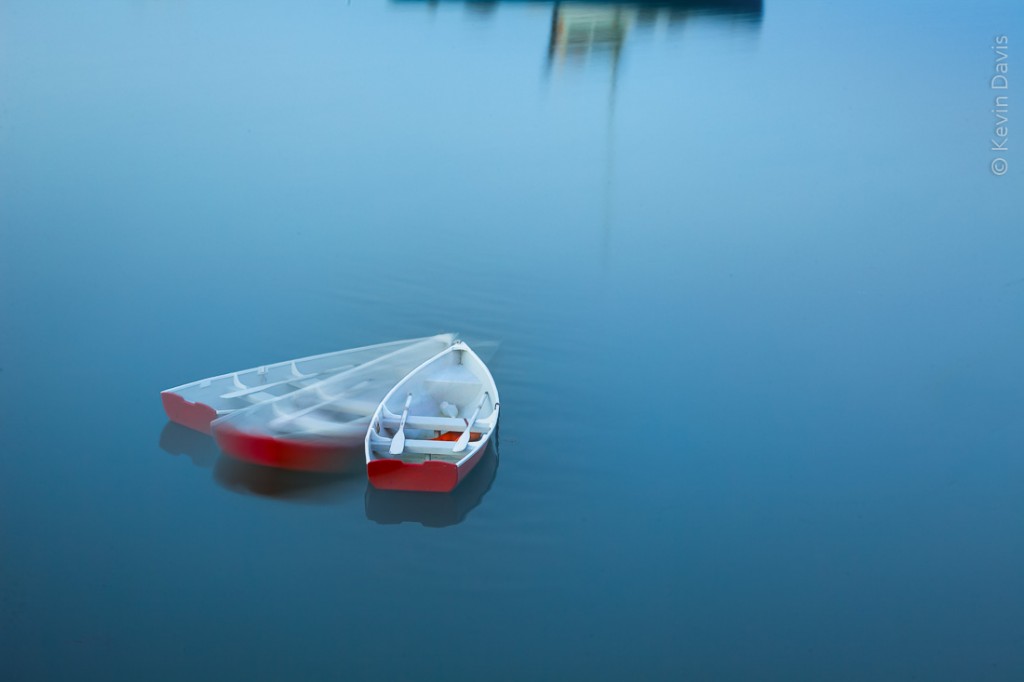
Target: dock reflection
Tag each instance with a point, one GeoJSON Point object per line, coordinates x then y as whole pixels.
{"type": "Point", "coordinates": [432, 509]}
{"type": "Point", "coordinates": [582, 29]}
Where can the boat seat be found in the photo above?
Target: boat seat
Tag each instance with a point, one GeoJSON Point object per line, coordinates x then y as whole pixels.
{"type": "Point", "coordinates": [391, 421]}
{"type": "Point", "coordinates": [436, 449]}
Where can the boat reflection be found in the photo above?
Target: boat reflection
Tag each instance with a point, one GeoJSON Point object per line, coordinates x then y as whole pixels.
{"type": "Point", "coordinates": [382, 506]}
{"type": "Point", "coordinates": [280, 484]}
{"type": "Point", "coordinates": [178, 440]}
{"type": "Point", "coordinates": [434, 510]}
{"type": "Point", "coordinates": [250, 479]}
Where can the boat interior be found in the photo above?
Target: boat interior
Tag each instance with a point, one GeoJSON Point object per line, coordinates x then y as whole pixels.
{"type": "Point", "coordinates": [339, 405]}
{"type": "Point", "coordinates": [259, 384]}
{"type": "Point", "coordinates": [443, 398]}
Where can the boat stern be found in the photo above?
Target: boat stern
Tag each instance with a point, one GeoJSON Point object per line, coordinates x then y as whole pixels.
{"type": "Point", "coordinates": [432, 476]}
{"type": "Point", "coordinates": [197, 416]}
{"type": "Point", "coordinates": [394, 474]}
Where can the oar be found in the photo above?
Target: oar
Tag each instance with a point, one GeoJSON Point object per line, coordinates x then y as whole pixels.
{"type": "Point", "coordinates": [398, 442]}
{"type": "Point", "coordinates": [463, 440]}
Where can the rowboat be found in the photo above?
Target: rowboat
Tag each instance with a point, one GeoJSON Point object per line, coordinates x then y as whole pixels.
{"type": "Point", "coordinates": [198, 403]}
{"type": "Point", "coordinates": [321, 427]}
{"type": "Point", "coordinates": [431, 429]}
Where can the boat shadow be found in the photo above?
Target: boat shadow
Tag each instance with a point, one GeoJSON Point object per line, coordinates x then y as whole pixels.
{"type": "Point", "coordinates": [435, 510]}
{"type": "Point", "coordinates": [250, 479]}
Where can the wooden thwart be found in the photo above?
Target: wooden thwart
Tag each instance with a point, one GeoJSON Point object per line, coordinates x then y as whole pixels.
{"type": "Point", "coordinates": [433, 423]}
{"type": "Point", "coordinates": [299, 380]}
{"type": "Point", "coordinates": [435, 448]}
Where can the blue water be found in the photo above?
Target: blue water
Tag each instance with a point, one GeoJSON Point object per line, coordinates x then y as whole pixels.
{"type": "Point", "coordinates": [760, 299]}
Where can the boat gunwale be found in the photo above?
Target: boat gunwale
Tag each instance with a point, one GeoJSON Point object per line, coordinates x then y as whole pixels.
{"type": "Point", "coordinates": [283, 363]}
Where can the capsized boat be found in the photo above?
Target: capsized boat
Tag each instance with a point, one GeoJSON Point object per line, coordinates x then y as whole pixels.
{"type": "Point", "coordinates": [198, 403]}
{"type": "Point", "coordinates": [321, 427]}
{"type": "Point", "coordinates": [431, 429]}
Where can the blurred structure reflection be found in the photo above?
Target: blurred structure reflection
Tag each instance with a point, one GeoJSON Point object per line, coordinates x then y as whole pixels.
{"type": "Point", "coordinates": [580, 29]}
{"type": "Point", "coordinates": [598, 31]}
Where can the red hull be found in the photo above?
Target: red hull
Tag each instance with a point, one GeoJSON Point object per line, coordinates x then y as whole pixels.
{"type": "Point", "coordinates": [428, 477]}
{"type": "Point", "coordinates": [297, 455]}
{"type": "Point", "coordinates": [193, 415]}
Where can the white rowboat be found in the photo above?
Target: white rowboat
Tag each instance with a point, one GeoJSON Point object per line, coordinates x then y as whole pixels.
{"type": "Point", "coordinates": [321, 426]}
{"type": "Point", "coordinates": [198, 403]}
{"type": "Point", "coordinates": [451, 415]}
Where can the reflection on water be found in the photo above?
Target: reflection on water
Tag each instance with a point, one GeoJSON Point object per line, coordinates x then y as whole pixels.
{"type": "Point", "coordinates": [581, 29]}
{"type": "Point", "coordinates": [383, 506]}
{"type": "Point", "coordinates": [249, 479]}
{"type": "Point", "coordinates": [280, 484]}
{"type": "Point", "coordinates": [585, 32]}
{"type": "Point", "coordinates": [432, 509]}
{"type": "Point", "coordinates": [176, 440]}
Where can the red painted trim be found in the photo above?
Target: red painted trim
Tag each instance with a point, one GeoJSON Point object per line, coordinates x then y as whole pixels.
{"type": "Point", "coordinates": [298, 455]}
{"type": "Point", "coordinates": [428, 477]}
{"type": "Point", "coordinates": [394, 474]}
{"type": "Point", "coordinates": [193, 415]}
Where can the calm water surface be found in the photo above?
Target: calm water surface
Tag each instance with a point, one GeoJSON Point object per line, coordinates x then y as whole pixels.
{"type": "Point", "coordinates": [760, 299]}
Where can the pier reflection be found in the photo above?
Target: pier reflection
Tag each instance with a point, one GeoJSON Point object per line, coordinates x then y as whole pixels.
{"type": "Point", "coordinates": [595, 35]}
{"type": "Point", "coordinates": [582, 29]}
{"type": "Point", "coordinates": [432, 509]}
